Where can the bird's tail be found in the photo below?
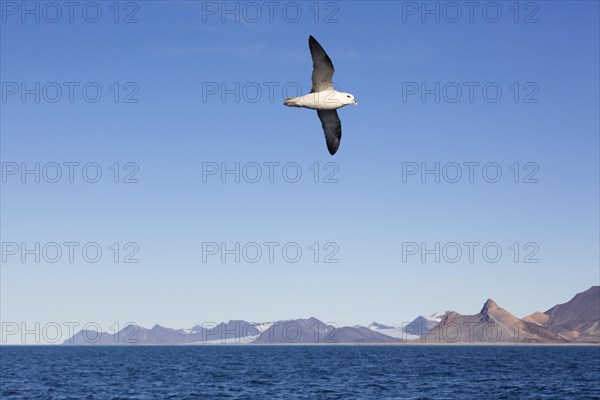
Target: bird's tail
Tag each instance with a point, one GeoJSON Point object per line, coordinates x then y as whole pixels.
{"type": "Point", "coordinates": [291, 102]}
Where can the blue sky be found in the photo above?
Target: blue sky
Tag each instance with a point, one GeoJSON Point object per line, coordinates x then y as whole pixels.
{"type": "Point", "coordinates": [176, 50]}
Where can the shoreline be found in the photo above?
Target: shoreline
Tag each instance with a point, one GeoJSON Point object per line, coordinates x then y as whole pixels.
{"type": "Point", "coordinates": [474, 344]}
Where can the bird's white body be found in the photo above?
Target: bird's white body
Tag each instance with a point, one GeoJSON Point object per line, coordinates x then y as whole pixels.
{"type": "Point", "coordinates": [323, 100]}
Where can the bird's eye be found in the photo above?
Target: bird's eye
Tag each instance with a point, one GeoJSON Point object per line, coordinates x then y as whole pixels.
{"type": "Point", "coordinates": [348, 96]}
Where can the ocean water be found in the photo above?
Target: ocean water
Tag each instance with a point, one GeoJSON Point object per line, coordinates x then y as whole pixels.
{"type": "Point", "coordinates": [300, 372]}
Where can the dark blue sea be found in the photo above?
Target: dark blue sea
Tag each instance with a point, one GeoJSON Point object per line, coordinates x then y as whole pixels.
{"type": "Point", "coordinates": [300, 372]}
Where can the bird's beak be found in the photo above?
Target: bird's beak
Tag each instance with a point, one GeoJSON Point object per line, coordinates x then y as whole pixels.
{"type": "Point", "coordinates": [355, 102]}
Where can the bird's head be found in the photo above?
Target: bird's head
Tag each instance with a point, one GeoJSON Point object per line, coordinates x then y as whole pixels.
{"type": "Point", "coordinates": [347, 98]}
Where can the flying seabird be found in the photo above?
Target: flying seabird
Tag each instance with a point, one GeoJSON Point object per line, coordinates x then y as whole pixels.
{"type": "Point", "coordinates": [323, 97]}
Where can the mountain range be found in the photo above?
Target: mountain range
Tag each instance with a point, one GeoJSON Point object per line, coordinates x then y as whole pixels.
{"type": "Point", "coordinates": [576, 321]}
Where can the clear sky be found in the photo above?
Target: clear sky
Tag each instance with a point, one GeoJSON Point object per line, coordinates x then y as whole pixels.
{"type": "Point", "coordinates": [186, 89]}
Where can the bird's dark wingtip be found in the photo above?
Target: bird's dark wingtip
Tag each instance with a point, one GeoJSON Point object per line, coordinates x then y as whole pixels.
{"type": "Point", "coordinates": [332, 148]}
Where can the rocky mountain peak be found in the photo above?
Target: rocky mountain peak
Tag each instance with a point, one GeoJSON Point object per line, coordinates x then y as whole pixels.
{"type": "Point", "coordinates": [489, 307]}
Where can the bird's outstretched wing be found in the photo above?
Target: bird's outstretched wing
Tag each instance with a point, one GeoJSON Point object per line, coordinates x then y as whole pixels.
{"type": "Point", "coordinates": [322, 74]}
{"type": "Point", "coordinates": [332, 126]}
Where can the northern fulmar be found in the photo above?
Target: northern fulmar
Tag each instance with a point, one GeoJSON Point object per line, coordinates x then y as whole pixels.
{"type": "Point", "coordinates": [323, 97]}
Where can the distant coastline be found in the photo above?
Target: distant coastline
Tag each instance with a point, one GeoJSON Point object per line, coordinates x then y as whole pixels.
{"type": "Point", "coordinates": [574, 323]}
